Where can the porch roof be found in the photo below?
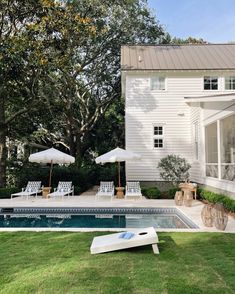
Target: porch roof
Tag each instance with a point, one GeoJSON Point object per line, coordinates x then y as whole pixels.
{"type": "Point", "coordinates": [210, 98]}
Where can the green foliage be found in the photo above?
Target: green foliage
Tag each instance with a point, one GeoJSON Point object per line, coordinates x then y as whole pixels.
{"type": "Point", "coordinates": [82, 178]}
{"type": "Point", "coordinates": [171, 192]}
{"type": "Point", "coordinates": [6, 192]}
{"type": "Point", "coordinates": [174, 168]}
{"type": "Point", "coordinates": [151, 192]}
{"type": "Point", "coordinates": [60, 71]}
{"type": "Point", "coordinates": [212, 197]}
{"type": "Point", "coordinates": [189, 40]}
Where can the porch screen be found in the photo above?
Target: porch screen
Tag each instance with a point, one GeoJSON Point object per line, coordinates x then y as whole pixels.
{"type": "Point", "coordinates": [227, 135]}
{"type": "Point", "coordinates": [211, 150]}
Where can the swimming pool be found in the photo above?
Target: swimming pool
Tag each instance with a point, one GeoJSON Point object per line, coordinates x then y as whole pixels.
{"type": "Point", "coordinates": [28, 217]}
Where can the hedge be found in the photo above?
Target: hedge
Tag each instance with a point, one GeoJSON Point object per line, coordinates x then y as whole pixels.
{"type": "Point", "coordinates": [172, 191]}
{"type": "Point", "coordinates": [151, 192]}
{"type": "Point", "coordinates": [6, 192]}
{"type": "Point", "coordinates": [212, 197]}
{"type": "Point", "coordinates": [82, 178]}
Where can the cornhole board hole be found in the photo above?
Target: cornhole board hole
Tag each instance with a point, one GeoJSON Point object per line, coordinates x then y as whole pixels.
{"type": "Point", "coordinates": [113, 242]}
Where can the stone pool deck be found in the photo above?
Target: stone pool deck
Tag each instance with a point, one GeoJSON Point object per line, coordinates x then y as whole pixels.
{"type": "Point", "coordinates": [88, 200]}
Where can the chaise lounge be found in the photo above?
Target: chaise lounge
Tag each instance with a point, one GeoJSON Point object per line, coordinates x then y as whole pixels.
{"type": "Point", "coordinates": [106, 189]}
{"type": "Point", "coordinates": [32, 188]}
{"type": "Point", "coordinates": [63, 189]}
{"type": "Point", "coordinates": [133, 190]}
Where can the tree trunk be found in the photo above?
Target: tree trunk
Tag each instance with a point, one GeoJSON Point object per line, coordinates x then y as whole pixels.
{"type": "Point", "coordinates": [3, 151]}
{"type": "Point", "coordinates": [3, 157]}
{"type": "Point", "coordinates": [72, 145]}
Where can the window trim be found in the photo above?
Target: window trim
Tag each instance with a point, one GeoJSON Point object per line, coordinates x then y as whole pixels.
{"type": "Point", "coordinates": [158, 90]}
{"type": "Point", "coordinates": [157, 126]}
{"type": "Point", "coordinates": [154, 147]}
{"type": "Point", "coordinates": [203, 83]}
{"type": "Point", "coordinates": [162, 137]}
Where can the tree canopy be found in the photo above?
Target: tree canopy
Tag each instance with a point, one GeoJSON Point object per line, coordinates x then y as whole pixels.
{"type": "Point", "coordinates": [60, 70]}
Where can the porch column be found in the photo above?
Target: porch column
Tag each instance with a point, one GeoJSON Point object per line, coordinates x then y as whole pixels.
{"type": "Point", "coordinates": [219, 149]}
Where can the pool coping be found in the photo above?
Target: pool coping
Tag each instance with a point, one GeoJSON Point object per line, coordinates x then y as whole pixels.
{"type": "Point", "coordinates": [98, 210]}
{"type": "Point", "coordinates": [193, 213]}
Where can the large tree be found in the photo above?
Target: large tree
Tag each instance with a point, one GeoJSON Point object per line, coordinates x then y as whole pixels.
{"type": "Point", "coordinates": [84, 58]}
{"type": "Point", "coordinates": [61, 59]}
{"type": "Point", "coordinates": [19, 68]}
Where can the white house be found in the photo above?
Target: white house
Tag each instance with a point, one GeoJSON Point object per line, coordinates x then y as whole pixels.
{"type": "Point", "coordinates": [180, 99]}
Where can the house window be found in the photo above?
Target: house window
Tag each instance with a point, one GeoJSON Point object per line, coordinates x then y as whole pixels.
{"type": "Point", "coordinates": [158, 130]}
{"type": "Point", "coordinates": [158, 143]}
{"type": "Point", "coordinates": [157, 83]}
{"type": "Point", "coordinates": [230, 83]}
{"type": "Point", "coordinates": [158, 136]}
{"type": "Point", "coordinates": [210, 83]}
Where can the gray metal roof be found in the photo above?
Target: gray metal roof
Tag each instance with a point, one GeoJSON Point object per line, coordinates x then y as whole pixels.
{"type": "Point", "coordinates": [178, 57]}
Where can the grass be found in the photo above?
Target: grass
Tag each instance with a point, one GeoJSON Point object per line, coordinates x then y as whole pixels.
{"type": "Point", "coordinates": [59, 262]}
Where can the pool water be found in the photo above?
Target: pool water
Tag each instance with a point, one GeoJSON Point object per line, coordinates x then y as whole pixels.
{"type": "Point", "coordinates": [92, 221]}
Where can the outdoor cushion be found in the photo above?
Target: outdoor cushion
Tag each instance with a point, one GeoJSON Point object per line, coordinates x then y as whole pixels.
{"type": "Point", "coordinates": [127, 235]}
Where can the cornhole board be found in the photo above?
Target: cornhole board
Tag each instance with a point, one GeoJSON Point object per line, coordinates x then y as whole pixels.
{"type": "Point", "coordinates": [112, 242]}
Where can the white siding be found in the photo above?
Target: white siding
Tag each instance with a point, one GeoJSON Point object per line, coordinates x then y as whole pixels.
{"type": "Point", "coordinates": [146, 108]}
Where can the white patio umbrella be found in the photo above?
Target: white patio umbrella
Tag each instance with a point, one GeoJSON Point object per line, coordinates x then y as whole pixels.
{"type": "Point", "coordinates": [117, 155]}
{"type": "Point", "coordinates": [51, 156]}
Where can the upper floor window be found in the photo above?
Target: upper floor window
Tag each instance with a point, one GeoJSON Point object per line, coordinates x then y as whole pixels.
{"type": "Point", "coordinates": [157, 83]}
{"type": "Point", "coordinates": [210, 83]}
{"type": "Point", "coordinates": [230, 83]}
{"type": "Point", "coordinates": [158, 130]}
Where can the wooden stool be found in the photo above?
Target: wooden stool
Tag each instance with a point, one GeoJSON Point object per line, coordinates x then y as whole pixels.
{"type": "Point", "coordinates": [207, 215]}
{"type": "Point", "coordinates": [219, 216]}
{"type": "Point", "coordinates": [179, 199]}
{"type": "Point", "coordinates": [189, 186]}
{"type": "Point", "coordinates": [188, 198]}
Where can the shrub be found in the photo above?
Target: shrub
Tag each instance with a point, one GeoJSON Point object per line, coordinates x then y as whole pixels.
{"type": "Point", "coordinates": [77, 190]}
{"type": "Point", "coordinates": [174, 168]}
{"type": "Point", "coordinates": [199, 192]}
{"type": "Point", "coordinates": [171, 192]}
{"type": "Point", "coordinates": [6, 192]}
{"type": "Point", "coordinates": [212, 197]}
{"type": "Point", "coordinates": [82, 178]}
{"type": "Point", "coordinates": [151, 192]}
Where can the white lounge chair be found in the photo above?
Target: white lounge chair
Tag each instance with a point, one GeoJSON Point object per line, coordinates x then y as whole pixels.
{"type": "Point", "coordinates": [133, 190]}
{"type": "Point", "coordinates": [118, 241]}
{"type": "Point", "coordinates": [106, 189]}
{"type": "Point", "coordinates": [32, 188]}
{"type": "Point", "coordinates": [63, 189]}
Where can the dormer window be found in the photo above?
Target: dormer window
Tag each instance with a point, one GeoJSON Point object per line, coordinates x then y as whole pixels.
{"type": "Point", "coordinates": [210, 83]}
{"type": "Point", "coordinates": [157, 83]}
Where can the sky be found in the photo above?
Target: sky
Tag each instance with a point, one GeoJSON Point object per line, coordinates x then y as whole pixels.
{"type": "Point", "coordinates": [211, 20]}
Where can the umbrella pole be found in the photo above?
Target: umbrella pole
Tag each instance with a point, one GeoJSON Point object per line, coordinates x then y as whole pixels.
{"type": "Point", "coordinates": [119, 177]}
{"type": "Point", "coordinates": [50, 174]}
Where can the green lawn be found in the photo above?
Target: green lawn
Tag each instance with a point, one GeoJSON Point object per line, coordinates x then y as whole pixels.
{"type": "Point", "coordinates": [61, 263]}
